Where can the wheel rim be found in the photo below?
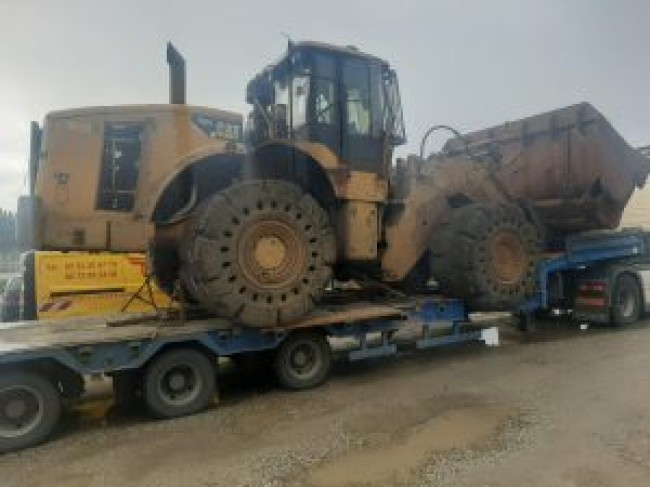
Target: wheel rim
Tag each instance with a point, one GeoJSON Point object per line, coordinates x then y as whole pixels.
{"type": "Point", "coordinates": [625, 302]}
{"type": "Point", "coordinates": [508, 257]}
{"type": "Point", "coordinates": [21, 410]}
{"type": "Point", "coordinates": [304, 360]}
{"type": "Point", "coordinates": [271, 254]}
{"type": "Point", "coordinates": [180, 385]}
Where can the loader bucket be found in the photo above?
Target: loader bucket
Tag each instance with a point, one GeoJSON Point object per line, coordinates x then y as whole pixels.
{"type": "Point", "coordinates": [568, 164]}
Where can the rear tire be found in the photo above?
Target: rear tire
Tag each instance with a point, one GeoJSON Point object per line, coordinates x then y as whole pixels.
{"type": "Point", "coordinates": [303, 360]}
{"type": "Point", "coordinates": [178, 383]}
{"type": "Point", "coordinates": [30, 408]}
{"type": "Point", "coordinates": [259, 252]}
{"type": "Point", "coordinates": [626, 301]}
{"type": "Point", "coordinates": [487, 255]}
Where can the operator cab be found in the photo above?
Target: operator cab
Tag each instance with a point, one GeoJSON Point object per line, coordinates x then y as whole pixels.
{"type": "Point", "coordinates": [336, 96]}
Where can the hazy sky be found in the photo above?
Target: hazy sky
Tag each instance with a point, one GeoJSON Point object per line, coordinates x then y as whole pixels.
{"type": "Point", "coordinates": [470, 64]}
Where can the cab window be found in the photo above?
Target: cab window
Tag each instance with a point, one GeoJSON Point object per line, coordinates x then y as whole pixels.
{"type": "Point", "coordinates": [324, 101]}
{"type": "Point", "coordinates": [356, 80]}
{"type": "Point", "coordinates": [120, 165]}
{"type": "Point", "coordinates": [299, 101]}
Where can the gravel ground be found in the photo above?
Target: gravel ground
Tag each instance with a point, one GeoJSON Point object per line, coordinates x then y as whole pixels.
{"type": "Point", "coordinates": [564, 408]}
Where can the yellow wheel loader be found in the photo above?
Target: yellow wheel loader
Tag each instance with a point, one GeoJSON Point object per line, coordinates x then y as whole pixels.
{"type": "Point", "coordinates": [257, 235]}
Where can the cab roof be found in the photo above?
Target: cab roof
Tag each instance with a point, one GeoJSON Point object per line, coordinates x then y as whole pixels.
{"type": "Point", "coordinates": [324, 47]}
{"type": "Point", "coordinates": [348, 50]}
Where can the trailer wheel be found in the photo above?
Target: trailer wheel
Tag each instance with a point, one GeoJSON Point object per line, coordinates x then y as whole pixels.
{"type": "Point", "coordinates": [30, 407]}
{"type": "Point", "coordinates": [626, 301]}
{"type": "Point", "coordinates": [303, 360]}
{"type": "Point", "coordinates": [179, 382]}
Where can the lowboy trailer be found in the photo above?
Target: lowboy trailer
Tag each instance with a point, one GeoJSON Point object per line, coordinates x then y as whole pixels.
{"type": "Point", "coordinates": [172, 362]}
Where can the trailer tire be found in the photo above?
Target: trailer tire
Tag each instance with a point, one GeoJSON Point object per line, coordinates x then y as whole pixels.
{"type": "Point", "coordinates": [626, 301]}
{"type": "Point", "coordinates": [260, 252]}
{"type": "Point", "coordinates": [303, 360]}
{"type": "Point", "coordinates": [23, 394]}
{"type": "Point", "coordinates": [179, 382]}
{"type": "Point", "coordinates": [487, 255]}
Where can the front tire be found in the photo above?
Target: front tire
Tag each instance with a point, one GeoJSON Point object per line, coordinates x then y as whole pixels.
{"type": "Point", "coordinates": [487, 255]}
{"type": "Point", "coordinates": [259, 252]}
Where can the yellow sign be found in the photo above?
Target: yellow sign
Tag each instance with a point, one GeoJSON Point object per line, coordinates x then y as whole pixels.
{"type": "Point", "coordinates": [84, 283]}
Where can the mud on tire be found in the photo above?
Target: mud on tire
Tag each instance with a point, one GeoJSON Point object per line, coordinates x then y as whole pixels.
{"type": "Point", "coordinates": [259, 251]}
{"type": "Point", "coordinates": [487, 255]}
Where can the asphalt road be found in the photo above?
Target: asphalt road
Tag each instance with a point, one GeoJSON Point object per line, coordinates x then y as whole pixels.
{"type": "Point", "coordinates": [563, 408]}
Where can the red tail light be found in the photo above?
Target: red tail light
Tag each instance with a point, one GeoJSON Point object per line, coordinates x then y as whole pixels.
{"type": "Point", "coordinates": [597, 286]}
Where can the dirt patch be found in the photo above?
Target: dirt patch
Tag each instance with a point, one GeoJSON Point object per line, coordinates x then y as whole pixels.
{"type": "Point", "coordinates": [465, 427]}
{"type": "Point", "coordinates": [67, 480]}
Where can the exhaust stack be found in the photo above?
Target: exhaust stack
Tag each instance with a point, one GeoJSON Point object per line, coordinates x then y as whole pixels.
{"type": "Point", "coordinates": [176, 64]}
{"type": "Point", "coordinates": [34, 154]}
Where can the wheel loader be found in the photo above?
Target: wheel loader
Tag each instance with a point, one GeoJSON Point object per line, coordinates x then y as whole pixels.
{"type": "Point", "coordinates": [258, 235]}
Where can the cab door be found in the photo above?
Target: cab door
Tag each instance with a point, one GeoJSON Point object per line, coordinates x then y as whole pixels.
{"type": "Point", "coordinates": [362, 115]}
{"type": "Point", "coordinates": [325, 115]}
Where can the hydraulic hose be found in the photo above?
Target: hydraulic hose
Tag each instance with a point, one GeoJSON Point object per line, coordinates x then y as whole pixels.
{"type": "Point", "coordinates": [442, 127]}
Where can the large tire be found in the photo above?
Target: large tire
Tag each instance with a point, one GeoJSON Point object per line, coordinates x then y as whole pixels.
{"type": "Point", "coordinates": [626, 301]}
{"type": "Point", "coordinates": [487, 255]}
{"type": "Point", "coordinates": [259, 252]}
{"type": "Point", "coordinates": [30, 407]}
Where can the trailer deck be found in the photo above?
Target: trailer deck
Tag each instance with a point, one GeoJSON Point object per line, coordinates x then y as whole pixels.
{"type": "Point", "coordinates": [70, 332]}
{"type": "Point", "coordinates": [105, 344]}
